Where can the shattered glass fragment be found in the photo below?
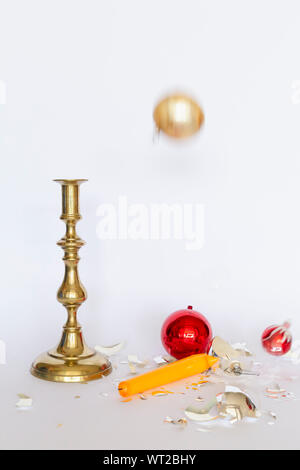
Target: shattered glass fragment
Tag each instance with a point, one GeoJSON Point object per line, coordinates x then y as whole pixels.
{"type": "Point", "coordinates": [200, 399]}
{"type": "Point", "coordinates": [229, 356]}
{"type": "Point", "coordinates": [294, 353]}
{"type": "Point", "coordinates": [110, 350]}
{"type": "Point", "coordinates": [159, 360]}
{"type": "Point", "coordinates": [168, 419]}
{"type": "Point", "coordinates": [202, 414]}
{"type": "Point", "coordinates": [180, 421]}
{"type": "Point", "coordinates": [132, 368]}
{"type": "Point", "coordinates": [169, 358]}
{"type": "Point", "coordinates": [203, 430]}
{"type": "Point", "coordinates": [133, 359]}
{"type": "Point", "coordinates": [276, 392]}
{"type": "Point", "coordinates": [24, 401]}
{"type": "Point", "coordinates": [235, 404]}
{"type": "Point", "coordinates": [241, 349]}
{"type": "Point", "coordinates": [275, 389]}
{"type": "Point", "coordinates": [224, 350]}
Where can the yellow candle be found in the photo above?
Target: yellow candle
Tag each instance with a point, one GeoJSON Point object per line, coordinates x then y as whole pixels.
{"type": "Point", "coordinates": [177, 370]}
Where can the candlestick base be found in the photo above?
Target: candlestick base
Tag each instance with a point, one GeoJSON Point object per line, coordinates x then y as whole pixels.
{"type": "Point", "coordinates": [55, 367]}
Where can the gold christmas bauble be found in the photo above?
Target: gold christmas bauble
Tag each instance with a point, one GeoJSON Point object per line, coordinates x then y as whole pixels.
{"type": "Point", "coordinates": [178, 116]}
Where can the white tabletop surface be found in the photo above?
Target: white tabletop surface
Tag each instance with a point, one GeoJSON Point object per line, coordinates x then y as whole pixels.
{"type": "Point", "coordinates": [58, 420]}
{"type": "Point", "coordinates": [78, 85]}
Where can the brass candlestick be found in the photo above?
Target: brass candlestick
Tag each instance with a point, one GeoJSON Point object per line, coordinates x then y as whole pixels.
{"type": "Point", "coordinates": [72, 360]}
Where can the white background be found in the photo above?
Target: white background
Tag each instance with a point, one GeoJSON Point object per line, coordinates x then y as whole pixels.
{"type": "Point", "coordinates": [82, 78]}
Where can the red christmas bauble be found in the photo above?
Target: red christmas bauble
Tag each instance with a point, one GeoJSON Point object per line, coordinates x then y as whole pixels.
{"type": "Point", "coordinates": [186, 332]}
{"type": "Point", "coordinates": [277, 340]}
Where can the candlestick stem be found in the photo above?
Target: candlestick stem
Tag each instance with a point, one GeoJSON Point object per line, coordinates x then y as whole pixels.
{"type": "Point", "coordinates": [71, 360]}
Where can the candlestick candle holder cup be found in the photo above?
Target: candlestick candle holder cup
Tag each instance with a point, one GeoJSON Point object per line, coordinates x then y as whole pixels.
{"type": "Point", "coordinates": [71, 360]}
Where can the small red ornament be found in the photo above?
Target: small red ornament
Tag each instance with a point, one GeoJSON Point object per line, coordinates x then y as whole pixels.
{"type": "Point", "coordinates": [277, 339]}
{"type": "Point", "coordinates": [186, 332]}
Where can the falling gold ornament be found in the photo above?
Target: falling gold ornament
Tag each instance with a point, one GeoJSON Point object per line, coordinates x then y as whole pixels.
{"type": "Point", "coordinates": [178, 116]}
